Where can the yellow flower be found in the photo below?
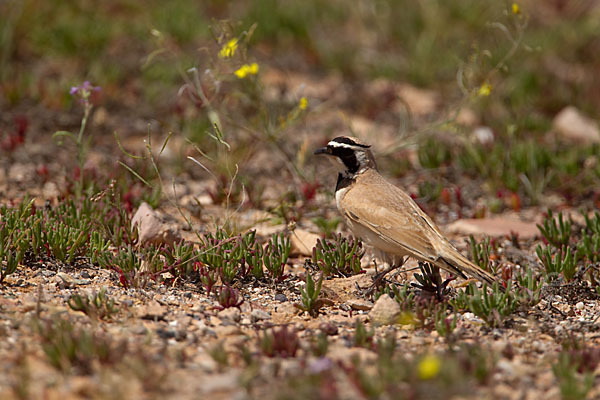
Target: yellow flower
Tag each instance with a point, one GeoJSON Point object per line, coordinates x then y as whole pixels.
{"type": "Point", "coordinates": [246, 70]}
{"type": "Point", "coordinates": [229, 49]}
{"type": "Point", "coordinates": [429, 367]}
{"type": "Point", "coordinates": [253, 69]}
{"type": "Point", "coordinates": [303, 103]}
{"type": "Point", "coordinates": [515, 8]}
{"type": "Point", "coordinates": [485, 89]}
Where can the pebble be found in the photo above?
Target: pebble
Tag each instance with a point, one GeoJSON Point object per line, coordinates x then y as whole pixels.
{"type": "Point", "coordinates": [361, 305]}
{"type": "Point", "coordinates": [259, 315]}
{"type": "Point", "coordinates": [281, 297]}
{"type": "Point", "coordinates": [580, 306]}
{"type": "Point", "coordinates": [385, 311]}
{"type": "Point", "coordinates": [231, 314]}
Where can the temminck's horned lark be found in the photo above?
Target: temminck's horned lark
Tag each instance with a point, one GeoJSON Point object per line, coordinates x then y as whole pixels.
{"type": "Point", "coordinates": [386, 218]}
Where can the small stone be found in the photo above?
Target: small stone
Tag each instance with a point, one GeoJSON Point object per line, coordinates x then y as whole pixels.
{"type": "Point", "coordinates": [67, 281]}
{"type": "Point", "coordinates": [165, 333]}
{"type": "Point", "coordinates": [302, 242]}
{"type": "Point", "coordinates": [259, 315]}
{"type": "Point", "coordinates": [328, 328]}
{"type": "Point", "coordinates": [232, 314]}
{"type": "Point", "coordinates": [152, 311]}
{"type": "Point", "coordinates": [496, 226]}
{"type": "Point", "coordinates": [580, 306]}
{"type": "Point", "coordinates": [572, 125]}
{"type": "Point", "coordinates": [281, 297]}
{"type": "Point", "coordinates": [385, 311]}
{"type": "Point", "coordinates": [153, 228]}
{"type": "Point", "coordinates": [359, 304]}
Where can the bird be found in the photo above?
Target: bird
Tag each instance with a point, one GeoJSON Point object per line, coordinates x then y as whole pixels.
{"type": "Point", "coordinates": [386, 218]}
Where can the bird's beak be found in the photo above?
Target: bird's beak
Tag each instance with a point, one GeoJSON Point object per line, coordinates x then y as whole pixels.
{"type": "Point", "coordinates": [322, 150]}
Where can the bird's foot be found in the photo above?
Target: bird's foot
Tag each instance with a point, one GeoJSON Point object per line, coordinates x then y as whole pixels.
{"type": "Point", "coordinates": [378, 282]}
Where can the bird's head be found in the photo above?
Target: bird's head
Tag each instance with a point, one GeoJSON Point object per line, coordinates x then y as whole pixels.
{"type": "Point", "coordinates": [354, 154]}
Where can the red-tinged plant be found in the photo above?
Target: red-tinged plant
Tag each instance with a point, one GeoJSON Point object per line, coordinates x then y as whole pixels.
{"type": "Point", "coordinates": [446, 196]}
{"type": "Point", "coordinates": [458, 195]}
{"type": "Point", "coordinates": [515, 201]}
{"type": "Point", "coordinates": [309, 190]}
{"type": "Point", "coordinates": [228, 297]}
{"type": "Point", "coordinates": [282, 342]}
{"type": "Point", "coordinates": [17, 138]}
{"type": "Point", "coordinates": [208, 277]}
{"type": "Point", "coordinates": [506, 274]}
{"type": "Point", "coordinates": [43, 172]}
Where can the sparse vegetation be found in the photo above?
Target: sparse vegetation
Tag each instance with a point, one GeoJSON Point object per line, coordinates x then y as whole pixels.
{"type": "Point", "coordinates": [210, 111]}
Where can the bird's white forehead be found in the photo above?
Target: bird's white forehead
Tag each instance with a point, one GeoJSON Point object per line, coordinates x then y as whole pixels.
{"type": "Point", "coordinates": [333, 143]}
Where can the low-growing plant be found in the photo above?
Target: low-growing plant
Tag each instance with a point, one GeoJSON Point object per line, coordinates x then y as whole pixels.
{"type": "Point", "coordinates": [282, 342]}
{"type": "Point", "coordinates": [97, 305]}
{"type": "Point", "coordinates": [310, 300]}
{"type": "Point", "coordinates": [69, 348]}
{"type": "Point", "coordinates": [430, 281]}
{"type": "Point", "coordinates": [208, 276]}
{"type": "Point", "coordinates": [424, 376]}
{"type": "Point", "coordinates": [363, 337]}
{"type": "Point", "coordinates": [319, 344]}
{"type": "Point", "coordinates": [445, 325]}
{"type": "Point", "coordinates": [490, 304]}
{"type": "Point", "coordinates": [574, 379]}
{"type": "Point", "coordinates": [430, 191]}
{"type": "Point", "coordinates": [339, 256]}
{"type": "Point", "coordinates": [228, 297]}
{"type": "Point", "coordinates": [327, 226]}
{"type": "Point", "coordinates": [237, 257]}
{"type": "Point", "coordinates": [481, 253]}
{"type": "Point", "coordinates": [218, 353]}
{"type": "Point", "coordinates": [557, 231]}
{"type": "Point", "coordinates": [562, 262]}
{"type": "Point", "coordinates": [432, 154]}
{"type": "Point", "coordinates": [275, 256]}
{"type": "Point", "coordinates": [529, 288]}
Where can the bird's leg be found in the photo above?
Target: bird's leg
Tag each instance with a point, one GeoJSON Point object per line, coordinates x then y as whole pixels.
{"type": "Point", "coordinates": [379, 277]}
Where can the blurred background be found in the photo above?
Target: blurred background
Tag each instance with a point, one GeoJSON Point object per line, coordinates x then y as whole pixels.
{"type": "Point", "coordinates": [468, 88]}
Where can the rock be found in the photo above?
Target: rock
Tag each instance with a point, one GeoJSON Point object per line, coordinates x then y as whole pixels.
{"type": "Point", "coordinates": [67, 281]}
{"type": "Point", "coordinates": [232, 314]}
{"type": "Point", "coordinates": [153, 228]}
{"type": "Point", "coordinates": [495, 226]}
{"type": "Point", "coordinates": [280, 297]}
{"type": "Point", "coordinates": [259, 315]}
{"type": "Point", "coordinates": [328, 328]}
{"type": "Point", "coordinates": [385, 311]}
{"type": "Point", "coordinates": [302, 242]}
{"type": "Point", "coordinates": [227, 330]}
{"type": "Point", "coordinates": [573, 126]}
{"type": "Point", "coordinates": [361, 305]}
{"type": "Point", "coordinates": [152, 311]}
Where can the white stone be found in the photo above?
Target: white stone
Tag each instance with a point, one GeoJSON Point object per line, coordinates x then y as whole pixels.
{"type": "Point", "coordinates": [385, 311]}
{"type": "Point", "coordinates": [572, 125]}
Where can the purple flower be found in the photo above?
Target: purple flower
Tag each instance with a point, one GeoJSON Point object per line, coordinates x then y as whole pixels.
{"type": "Point", "coordinates": [84, 90]}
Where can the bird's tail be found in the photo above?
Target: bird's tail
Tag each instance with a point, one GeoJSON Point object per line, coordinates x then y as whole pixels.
{"type": "Point", "coordinates": [457, 262]}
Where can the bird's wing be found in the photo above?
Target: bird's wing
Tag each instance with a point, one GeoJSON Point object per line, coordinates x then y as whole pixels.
{"type": "Point", "coordinates": [394, 218]}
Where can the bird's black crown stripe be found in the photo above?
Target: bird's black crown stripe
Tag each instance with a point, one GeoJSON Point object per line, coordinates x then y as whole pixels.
{"type": "Point", "coordinates": [346, 140]}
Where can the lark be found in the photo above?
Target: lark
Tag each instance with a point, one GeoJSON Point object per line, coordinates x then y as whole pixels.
{"type": "Point", "coordinates": [388, 219]}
